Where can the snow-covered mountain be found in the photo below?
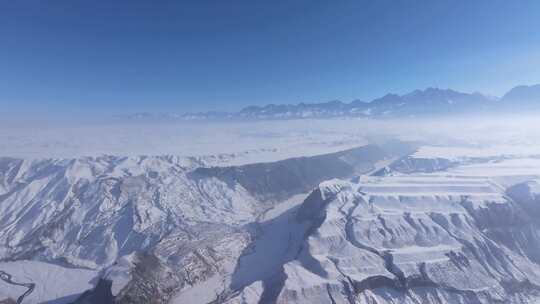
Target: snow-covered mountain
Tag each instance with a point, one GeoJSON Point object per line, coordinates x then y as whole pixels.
{"type": "Point", "coordinates": [374, 224]}
{"type": "Point", "coordinates": [420, 239]}
{"type": "Point", "coordinates": [466, 232]}
{"type": "Point", "coordinates": [147, 228]}
{"type": "Point", "coordinates": [334, 108]}
{"type": "Point", "coordinates": [431, 101]}
{"type": "Point", "coordinates": [419, 103]}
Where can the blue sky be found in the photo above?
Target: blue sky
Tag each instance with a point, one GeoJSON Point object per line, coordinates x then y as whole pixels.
{"type": "Point", "coordinates": [110, 57]}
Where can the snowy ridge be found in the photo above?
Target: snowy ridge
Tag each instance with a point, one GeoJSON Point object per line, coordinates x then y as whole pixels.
{"type": "Point", "coordinates": [409, 239]}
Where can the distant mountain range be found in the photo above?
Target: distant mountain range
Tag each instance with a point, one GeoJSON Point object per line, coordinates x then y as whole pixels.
{"type": "Point", "coordinates": [419, 103]}
{"type": "Point", "coordinates": [523, 95]}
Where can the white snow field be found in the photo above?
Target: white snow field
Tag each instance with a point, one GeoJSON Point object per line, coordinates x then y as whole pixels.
{"type": "Point", "coordinates": [256, 141]}
{"type": "Point", "coordinates": [54, 284]}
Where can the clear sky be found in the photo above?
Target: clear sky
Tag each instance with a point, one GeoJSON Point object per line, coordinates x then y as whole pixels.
{"type": "Point", "coordinates": [100, 57]}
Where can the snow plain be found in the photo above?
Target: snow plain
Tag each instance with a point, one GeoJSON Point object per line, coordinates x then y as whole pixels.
{"type": "Point", "coordinates": [257, 141]}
